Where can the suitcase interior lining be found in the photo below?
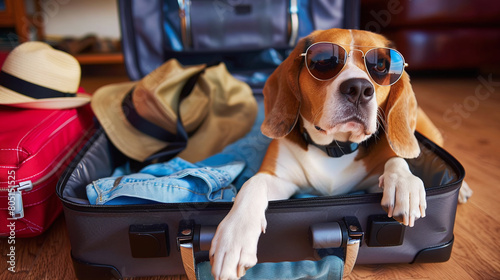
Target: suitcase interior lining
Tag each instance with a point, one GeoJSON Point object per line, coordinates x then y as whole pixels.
{"type": "Point", "coordinates": [99, 159]}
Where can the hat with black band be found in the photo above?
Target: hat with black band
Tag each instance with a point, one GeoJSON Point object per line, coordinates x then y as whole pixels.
{"type": "Point", "coordinates": [141, 118]}
{"type": "Point", "coordinates": [36, 76]}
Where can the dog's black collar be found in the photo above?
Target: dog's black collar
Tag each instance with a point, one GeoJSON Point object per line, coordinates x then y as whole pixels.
{"type": "Point", "coordinates": [336, 148]}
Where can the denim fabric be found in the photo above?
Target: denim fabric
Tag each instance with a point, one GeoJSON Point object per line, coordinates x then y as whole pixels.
{"type": "Point", "coordinates": [328, 268]}
{"type": "Point", "coordinates": [250, 149]}
{"type": "Point", "coordinates": [174, 181]}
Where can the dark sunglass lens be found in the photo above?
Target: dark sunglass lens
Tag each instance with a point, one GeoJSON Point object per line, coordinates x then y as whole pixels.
{"type": "Point", "coordinates": [325, 60]}
{"type": "Point", "coordinates": [385, 66]}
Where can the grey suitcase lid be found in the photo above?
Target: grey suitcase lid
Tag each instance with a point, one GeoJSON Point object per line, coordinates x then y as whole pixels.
{"type": "Point", "coordinates": [147, 42]}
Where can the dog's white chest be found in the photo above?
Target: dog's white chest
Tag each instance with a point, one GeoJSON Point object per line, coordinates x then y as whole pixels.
{"type": "Point", "coordinates": [313, 168]}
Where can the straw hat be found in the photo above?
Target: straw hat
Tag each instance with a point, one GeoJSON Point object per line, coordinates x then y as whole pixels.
{"type": "Point", "coordinates": [219, 110]}
{"type": "Point", "coordinates": [36, 76]}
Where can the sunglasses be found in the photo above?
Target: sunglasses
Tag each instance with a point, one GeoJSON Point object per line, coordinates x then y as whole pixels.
{"type": "Point", "coordinates": [325, 60]}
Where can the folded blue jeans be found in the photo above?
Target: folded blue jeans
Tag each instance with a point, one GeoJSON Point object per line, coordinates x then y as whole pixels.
{"type": "Point", "coordinates": [328, 268]}
{"type": "Point", "coordinates": [174, 181]}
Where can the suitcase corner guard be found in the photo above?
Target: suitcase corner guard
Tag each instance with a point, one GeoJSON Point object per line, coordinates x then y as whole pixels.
{"type": "Point", "coordinates": [346, 234]}
{"type": "Point", "coordinates": [436, 254]}
{"type": "Point", "coordinates": [91, 271]}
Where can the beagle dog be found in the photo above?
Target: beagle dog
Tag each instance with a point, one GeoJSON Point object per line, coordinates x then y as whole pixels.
{"type": "Point", "coordinates": [342, 115]}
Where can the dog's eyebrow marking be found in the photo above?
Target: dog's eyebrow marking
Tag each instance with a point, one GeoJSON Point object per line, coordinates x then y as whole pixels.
{"type": "Point", "coordinates": [307, 44]}
{"type": "Point", "coordinates": [352, 39]}
{"type": "Point", "coordinates": [351, 46]}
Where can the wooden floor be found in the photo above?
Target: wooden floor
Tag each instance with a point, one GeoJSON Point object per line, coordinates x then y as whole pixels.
{"type": "Point", "coordinates": [467, 110]}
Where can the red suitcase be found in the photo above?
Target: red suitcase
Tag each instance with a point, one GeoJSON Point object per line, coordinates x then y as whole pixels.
{"type": "Point", "coordinates": [35, 147]}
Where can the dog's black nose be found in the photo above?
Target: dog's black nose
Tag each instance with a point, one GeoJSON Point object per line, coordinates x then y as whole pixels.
{"type": "Point", "coordinates": [357, 91]}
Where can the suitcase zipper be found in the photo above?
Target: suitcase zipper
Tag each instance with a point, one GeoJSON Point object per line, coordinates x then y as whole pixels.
{"type": "Point", "coordinates": [15, 200]}
{"type": "Point", "coordinates": [351, 199]}
{"type": "Point", "coordinates": [320, 201]}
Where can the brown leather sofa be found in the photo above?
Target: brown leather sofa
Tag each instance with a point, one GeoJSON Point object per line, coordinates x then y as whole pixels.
{"type": "Point", "coordinates": [439, 34]}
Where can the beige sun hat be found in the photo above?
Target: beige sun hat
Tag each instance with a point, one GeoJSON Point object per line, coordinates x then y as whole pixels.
{"type": "Point", "coordinates": [36, 76]}
{"type": "Point", "coordinates": [219, 110]}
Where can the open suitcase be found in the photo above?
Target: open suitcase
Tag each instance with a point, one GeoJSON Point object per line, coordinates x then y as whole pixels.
{"type": "Point", "coordinates": [113, 241]}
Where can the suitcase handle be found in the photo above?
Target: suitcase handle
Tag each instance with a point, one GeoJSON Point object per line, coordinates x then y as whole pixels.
{"type": "Point", "coordinates": [346, 234]}
{"type": "Point", "coordinates": [187, 30]}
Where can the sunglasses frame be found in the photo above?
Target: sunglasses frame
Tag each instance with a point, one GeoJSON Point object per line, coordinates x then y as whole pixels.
{"type": "Point", "coordinates": [304, 54]}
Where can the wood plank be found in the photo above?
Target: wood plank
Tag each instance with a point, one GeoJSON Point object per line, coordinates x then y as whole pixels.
{"type": "Point", "coordinates": [100, 58]}
{"type": "Point", "coordinates": [472, 141]}
{"type": "Point", "coordinates": [26, 251]}
{"type": "Point", "coordinates": [53, 260]}
{"type": "Point", "coordinates": [476, 248]}
{"type": "Point", "coordinates": [408, 271]}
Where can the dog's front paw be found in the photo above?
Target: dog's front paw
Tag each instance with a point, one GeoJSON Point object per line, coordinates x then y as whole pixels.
{"type": "Point", "coordinates": [234, 246]}
{"type": "Point", "coordinates": [404, 193]}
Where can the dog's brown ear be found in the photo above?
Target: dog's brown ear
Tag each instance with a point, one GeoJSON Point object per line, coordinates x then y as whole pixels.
{"type": "Point", "coordinates": [282, 95]}
{"type": "Point", "coordinates": [401, 112]}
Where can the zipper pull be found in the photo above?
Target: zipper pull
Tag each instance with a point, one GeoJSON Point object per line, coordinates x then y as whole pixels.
{"type": "Point", "coordinates": [16, 208]}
